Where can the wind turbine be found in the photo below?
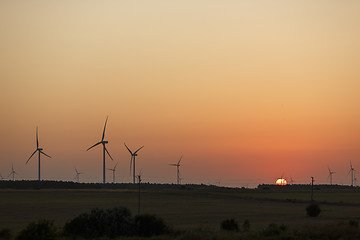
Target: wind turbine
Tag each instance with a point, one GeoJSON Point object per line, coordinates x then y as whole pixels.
{"type": "Point", "coordinates": [330, 175]}
{"type": "Point", "coordinates": [133, 155]}
{"type": "Point", "coordinates": [113, 170]}
{"type": "Point", "coordinates": [13, 172]}
{"type": "Point", "coordinates": [139, 182]}
{"type": "Point", "coordinates": [1, 177]}
{"type": "Point", "coordinates": [78, 174]}
{"type": "Point", "coordinates": [352, 174]}
{"type": "Point", "coordinates": [177, 168]}
{"type": "Point", "coordinates": [291, 181]}
{"type": "Point", "coordinates": [104, 149]}
{"type": "Point", "coordinates": [354, 180]}
{"type": "Point", "coordinates": [38, 149]}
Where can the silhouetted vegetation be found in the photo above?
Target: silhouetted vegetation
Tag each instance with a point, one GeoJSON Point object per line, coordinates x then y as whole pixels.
{"type": "Point", "coordinates": [41, 230]}
{"type": "Point", "coordinates": [354, 223]}
{"type": "Point", "coordinates": [113, 223]}
{"type": "Point", "coordinates": [313, 210]}
{"type": "Point", "coordinates": [5, 233]}
{"type": "Point", "coordinates": [148, 225]}
{"type": "Point", "coordinates": [274, 230]}
{"type": "Point", "coordinates": [246, 226]}
{"type": "Point", "coordinates": [99, 222]}
{"type": "Point", "coordinates": [230, 225]}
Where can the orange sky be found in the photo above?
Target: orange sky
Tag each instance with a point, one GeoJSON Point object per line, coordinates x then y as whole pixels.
{"type": "Point", "coordinates": [246, 90]}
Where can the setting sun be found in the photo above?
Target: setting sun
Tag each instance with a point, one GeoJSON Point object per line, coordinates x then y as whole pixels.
{"type": "Point", "coordinates": [281, 181]}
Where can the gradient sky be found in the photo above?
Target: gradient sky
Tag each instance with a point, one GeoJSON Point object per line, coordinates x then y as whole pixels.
{"type": "Point", "coordinates": [246, 90]}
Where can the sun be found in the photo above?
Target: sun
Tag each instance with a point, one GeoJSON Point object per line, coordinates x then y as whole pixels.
{"type": "Point", "coordinates": [281, 181]}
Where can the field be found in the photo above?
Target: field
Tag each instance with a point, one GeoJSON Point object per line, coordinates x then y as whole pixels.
{"type": "Point", "coordinates": [182, 208]}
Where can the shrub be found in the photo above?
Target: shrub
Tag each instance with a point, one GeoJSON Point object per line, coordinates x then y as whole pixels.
{"type": "Point", "coordinates": [5, 233]}
{"type": "Point", "coordinates": [229, 225]}
{"type": "Point", "coordinates": [313, 210]}
{"type": "Point", "coordinates": [273, 230]}
{"type": "Point", "coordinates": [354, 223]}
{"type": "Point", "coordinates": [148, 225]}
{"type": "Point", "coordinates": [41, 230]}
{"type": "Point", "coordinates": [111, 223]}
{"type": "Point", "coordinates": [246, 226]}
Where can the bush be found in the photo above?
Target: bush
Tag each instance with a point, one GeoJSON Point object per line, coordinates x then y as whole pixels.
{"type": "Point", "coordinates": [313, 210]}
{"type": "Point", "coordinates": [5, 233]}
{"type": "Point", "coordinates": [148, 225]}
{"type": "Point", "coordinates": [274, 230]}
{"type": "Point", "coordinates": [111, 223]}
{"type": "Point", "coordinates": [246, 226]}
{"type": "Point", "coordinates": [229, 225]}
{"type": "Point", "coordinates": [41, 230]}
{"type": "Point", "coordinates": [354, 223]}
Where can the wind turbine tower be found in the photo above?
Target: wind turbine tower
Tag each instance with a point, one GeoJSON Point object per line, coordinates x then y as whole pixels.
{"type": "Point", "coordinates": [113, 171]}
{"type": "Point", "coordinates": [330, 175]}
{"type": "Point", "coordinates": [39, 150]}
{"type": "Point", "coordinates": [103, 142]}
{"type": "Point", "coordinates": [352, 174]}
{"type": "Point", "coordinates": [177, 170]}
{"type": "Point", "coordinates": [132, 161]}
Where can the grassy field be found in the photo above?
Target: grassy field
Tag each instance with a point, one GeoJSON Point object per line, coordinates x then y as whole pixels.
{"type": "Point", "coordinates": [181, 208]}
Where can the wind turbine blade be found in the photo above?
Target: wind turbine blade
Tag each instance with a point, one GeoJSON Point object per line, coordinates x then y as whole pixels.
{"type": "Point", "coordinates": [31, 156]}
{"type": "Point", "coordinates": [138, 150]}
{"type": "Point", "coordinates": [103, 135]}
{"type": "Point", "coordinates": [108, 152]}
{"type": "Point", "coordinates": [76, 171]}
{"type": "Point", "coordinates": [45, 154]}
{"type": "Point", "coordinates": [115, 165]}
{"type": "Point", "coordinates": [128, 149]}
{"type": "Point", "coordinates": [180, 160]}
{"type": "Point", "coordinates": [37, 138]}
{"type": "Point", "coordinates": [93, 146]}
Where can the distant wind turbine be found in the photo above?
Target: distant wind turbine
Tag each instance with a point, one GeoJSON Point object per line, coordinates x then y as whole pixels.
{"type": "Point", "coordinates": [104, 149]}
{"type": "Point", "coordinates": [291, 181]}
{"type": "Point", "coordinates": [113, 170]}
{"type": "Point", "coordinates": [139, 182]}
{"type": "Point", "coordinates": [354, 180]}
{"type": "Point", "coordinates": [177, 170]}
{"type": "Point", "coordinates": [330, 175]}
{"type": "Point", "coordinates": [1, 177]}
{"type": "Point", "coordinates": [13, 172]}
{"type": "Point", "coordinates": [352, 174]}
{"type": "Point", "coordinates": [133, 155]}
{"type": "Point", "coordinates": [78, 175]}
{"type": "Point", "coordinates": [38, 149]}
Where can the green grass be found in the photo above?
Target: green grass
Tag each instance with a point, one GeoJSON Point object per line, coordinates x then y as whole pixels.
{"type": "Point", "coordinates": [182, 209]}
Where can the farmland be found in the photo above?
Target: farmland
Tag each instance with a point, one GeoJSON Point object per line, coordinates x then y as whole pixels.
{"type": "Point", "coordinates": [185, 208]}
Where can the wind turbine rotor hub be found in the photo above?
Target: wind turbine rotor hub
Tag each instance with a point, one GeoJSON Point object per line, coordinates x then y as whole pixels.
{"type": "Point", "coordinates": [40, 149]}
{"type": "Point", "coordinates": [105, 142]}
